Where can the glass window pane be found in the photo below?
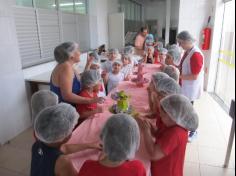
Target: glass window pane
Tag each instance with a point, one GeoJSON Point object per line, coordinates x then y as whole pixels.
{"type": "Point", "coordinates": [81, 6]}
{"type": "Point", "coordinates": [45, 4]}
{"type": "Point", "coordinates": [67, 5]}
{"type": "Point", "coordinates": [132, 11]}
{"type": "Point", "coordinates": [27, 3]}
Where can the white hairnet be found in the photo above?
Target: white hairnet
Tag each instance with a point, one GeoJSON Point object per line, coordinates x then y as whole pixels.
{"type": "Point", "coordinates": [180, 110]}
{"type": "Point", "coordinates": [175, 54]}
{"type": "Point", "coordinates": [168, 86]}
{"type": "Point", "coordinates": [97, 60]}
{"type": "Point", "coordinates": [113, 51]}
{"type": "Point", "coordinates": [41, 100]}
{"type": "Point", "coordinates": [185, 36]}
{"type": "Point", "coordinates": [172, 71]}
{"type": "Point", "coordinates": [63, 51]}
{"type": "Point", "coordinates": [129, 50]}
{"type": "Point", "coordinates": [90, 78]}
{"type": "Point", "coordinates": [127, 56]}
{"type": "Point", "coordinates": [121, 137]}
{"type": "Point", "coordinates": [118, 61]}
{"type": "Point", "coordinates": [157, 77]}
{"type": "Point", "coordinates": [55, 123]}
{"type": "Point", "coordinates": [159, 45]}
{"type": "Point", "coordinates": [163, 51]}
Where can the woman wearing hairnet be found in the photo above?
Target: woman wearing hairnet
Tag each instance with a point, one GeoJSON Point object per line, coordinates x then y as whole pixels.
{"type": "Point", "coordinates": [168, 151]}
{"type": "Point", "coordinates": [91, 83]}
{"type": "Point", "coordinates": [63, 79]}
{"type": "Point", "coordinates": [53, 127]}
{"type": "Point", "coordinates": [191, 70]}
{"type": "Point", "coordinates": [121, 138]}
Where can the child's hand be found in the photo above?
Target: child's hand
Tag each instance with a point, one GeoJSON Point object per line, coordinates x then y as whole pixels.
{"type": "Point", "coordinates": [96, 145]}
{"type": "Point", "coordinates": [99, 100]}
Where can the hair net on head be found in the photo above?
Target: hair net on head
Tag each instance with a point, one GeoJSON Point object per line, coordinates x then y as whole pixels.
{"type": "Point", "coordinates": [159, 45]}
{"type": "Point", "coordinates": [118, 61]}
{"type": "Point", "coordinates": [168, 86]}
{"type": "Point", "coordinates": [55, 123]}
{"type": "Point", "coordinates": [41, 100]}
{"type": "Point", "coordinates": [180, 110]}
{"type": "Point", "coordinates": [113, 51]}
{"type": "Point", "coordinates": [129, 50]}
{"type": "Point", "coordinates": [97, 59]}
{"type": "Point", "coordinates": [121, 137]}
{"type": "Point", "coordinates": [172, 71]}
{"type": "Point", "coordinates": [64, 51]}
{"type": "Point", "coordinates": [185, 36]}
{"type": "Point", "coordinates": [163, 51]}
{"type": "Point", "coordinates": [127, 56]}
{"type": "Point", "coordinates": [90, 78]}
{"type": "Point", "coordinates": [157, 77]}
{"type": "Point", "coordinates": [150, 37]}
{"type": "Point", "coordinates": [175, 54]}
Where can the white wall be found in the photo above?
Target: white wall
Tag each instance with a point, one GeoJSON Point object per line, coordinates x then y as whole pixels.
{"type": "Point", "coordinates": [14, 107]}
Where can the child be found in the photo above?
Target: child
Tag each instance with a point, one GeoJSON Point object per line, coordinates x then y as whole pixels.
{"type": "Point", "coordinates": [162, 55]}
{"type": "Point", "coordinates": [121, 138]}
{"type": "Point", "coordinates": [173, 56]}
{"type": "Point", "coordinates": [172, 71]}
{"type": "Point", "coordinates": [129, 50]}
{"type": "Point", "coordinates": [127, 68]}
{"type": "Point", "coordinates": [91, 82]}
{"type": "Point", "coordinates": [149, 41]}
{"type": "Point", "coordinates": [113, 55]}
{"type": "Point", "coordinates": [149, 57]}
{"type": "Point", "coordinates": [53, 127]}
{"type": "Point", "coordinates": [113, 78]}
{"type": "Point", "coordinates": [168, 151]}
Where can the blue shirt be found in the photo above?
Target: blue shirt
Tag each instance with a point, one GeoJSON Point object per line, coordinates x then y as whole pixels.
{"type": "Point", "coordinates": [76, 88]}
{"type": "Point", "coordinates": [43, 159]}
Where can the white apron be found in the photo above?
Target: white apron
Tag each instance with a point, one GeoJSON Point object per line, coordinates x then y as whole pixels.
{"type": "Point", "coordinates": [192, 89]}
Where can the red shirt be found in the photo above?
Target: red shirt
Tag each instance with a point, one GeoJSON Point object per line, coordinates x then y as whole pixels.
{"type": "Point", "coordinates": [156, 55]}
{"type": "Point", "coordinates": [172, 141]}
{"type": "Point", "coordinates": [81, 108]}
{"type": "Point", "coordinates": [130, 168]}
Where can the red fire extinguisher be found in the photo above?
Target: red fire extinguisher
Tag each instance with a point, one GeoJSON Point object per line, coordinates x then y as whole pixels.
{"type": "Point", "coordinates": [206, 36]}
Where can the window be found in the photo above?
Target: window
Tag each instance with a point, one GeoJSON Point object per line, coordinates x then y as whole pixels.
{"type": "Point", "coordinates": [26, 3]}
{"type": "Point", "coordinates": [41, 28]}
{"type": "Point", "coordinates": [45, 4]}
{"type": "Point", "coordinates": [67, 5]}
{"type": "Point", "coordinates": [81, 6]}
{"type": "Point", "coordinates": [132, 10]}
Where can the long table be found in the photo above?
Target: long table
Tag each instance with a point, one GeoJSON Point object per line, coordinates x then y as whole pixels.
{"type": "Point", "coordinates": [90, 129]}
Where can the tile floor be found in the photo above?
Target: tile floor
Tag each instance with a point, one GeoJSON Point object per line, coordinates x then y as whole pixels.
{"type": "Point", "coordinates": [204, 157]}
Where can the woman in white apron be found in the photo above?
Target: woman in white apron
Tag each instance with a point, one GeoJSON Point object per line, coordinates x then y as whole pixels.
{"type": "Point", "coordinates": [191, 70]}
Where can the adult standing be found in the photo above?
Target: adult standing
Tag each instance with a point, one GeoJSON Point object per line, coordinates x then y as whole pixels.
{"type": "Point", "coordinates": [191, 70]}
{"type": "Point", "coordinates": [63, 79]}
{"type": "Point", "coordinates": [140, 40]}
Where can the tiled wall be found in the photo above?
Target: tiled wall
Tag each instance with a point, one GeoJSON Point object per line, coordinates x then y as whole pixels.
{"type": "Point", "coordinates": [14, 107]}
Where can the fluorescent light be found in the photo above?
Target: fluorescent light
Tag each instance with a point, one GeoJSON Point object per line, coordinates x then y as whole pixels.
{"type": "Point", "coordinates": [68, 4]}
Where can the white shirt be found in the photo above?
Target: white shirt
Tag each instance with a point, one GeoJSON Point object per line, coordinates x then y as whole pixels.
{"type": "Point", "coordinates": [114, 80]}
{"type": "Point", "coordinates": [127, 70]}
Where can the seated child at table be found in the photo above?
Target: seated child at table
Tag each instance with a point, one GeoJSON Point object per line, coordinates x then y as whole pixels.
{"type": "Point", "coordinates": [167, 153]}
{"type": "Point", "coordinates": [172, 71]}
{"type": "Point", "coordinates": [129, 50]}
{"type": "Point", "coordinates": [121, 139]}
{"type": "Point", "coordinates": [53, 127]}
{"type": "Point", "coordinates": [113, 55]}
{"type": "Point", "coordinates": [149, 57]}
{"type": "Point", "coordinates": [91, 82]}
{"type": "Point", "coordinates": [113, 78]}
{"type": "Point", "coordinates": [162, 55]}
{"type": "Point", "coordinates": [173, 56]}
{"type": "Point", "coordinates": [127, 68]}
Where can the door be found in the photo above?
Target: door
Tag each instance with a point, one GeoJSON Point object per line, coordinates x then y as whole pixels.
{"type": "Point", "coordinates": [225, 82]}
{"type": "Point", "coordinates": [116, 25]}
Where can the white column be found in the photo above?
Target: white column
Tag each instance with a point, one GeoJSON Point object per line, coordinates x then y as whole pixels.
{"type": "Point", "coordinates": [168, 14]}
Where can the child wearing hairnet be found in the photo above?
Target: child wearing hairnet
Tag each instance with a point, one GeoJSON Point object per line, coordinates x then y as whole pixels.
{"type": "Point", "coordinates": [113, 55]}
{"type": "Point", "coordinates": [149, 57]}
{"type": "Point", "coordinates": [53, 127]}
{"type": "Point", "coordinates": [173, 56]}
{"type": "Point", "coordinates": [167, 153]}
{"type": "Point", "coordinates": [113, 78]}
{"type": "Point", "coordinates": [127, 68]}
{"type": "Point", "coordinates": [120, 138]}
{"type": "Point", "coordinates": [91, 85]}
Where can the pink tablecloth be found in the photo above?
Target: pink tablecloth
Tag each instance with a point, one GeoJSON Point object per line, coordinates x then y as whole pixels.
{"type": "Point", "coordinates": [89, 130]}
